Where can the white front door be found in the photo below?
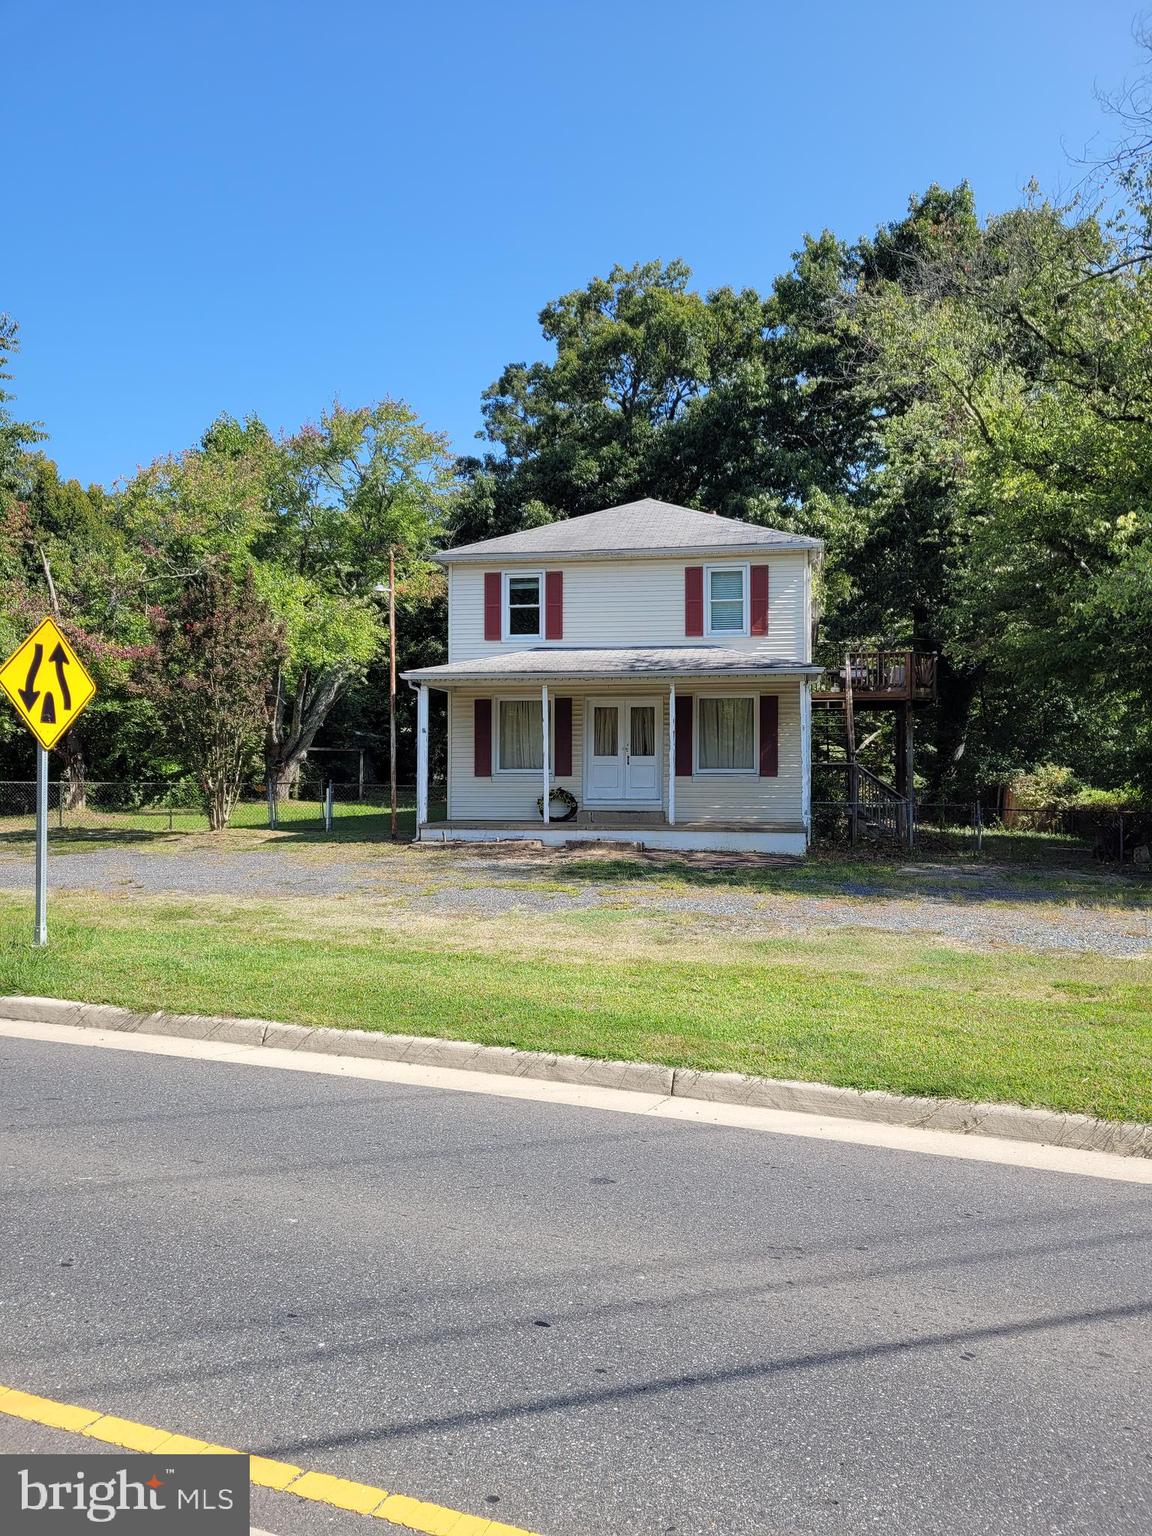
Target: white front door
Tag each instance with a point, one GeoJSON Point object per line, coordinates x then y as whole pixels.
{"type": "Point", "coordinates": [622, 752]}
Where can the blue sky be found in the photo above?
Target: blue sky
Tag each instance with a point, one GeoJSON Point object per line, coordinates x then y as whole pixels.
{"type": "Point", "coordinates": [260, 205]}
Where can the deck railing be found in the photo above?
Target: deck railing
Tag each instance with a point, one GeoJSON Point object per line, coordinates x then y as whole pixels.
{"type": "Point", "coordinates": [881, 675]}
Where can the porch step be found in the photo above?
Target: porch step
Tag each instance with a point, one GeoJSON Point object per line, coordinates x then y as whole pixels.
{"type": "Point", "coordinates": [587, 818]}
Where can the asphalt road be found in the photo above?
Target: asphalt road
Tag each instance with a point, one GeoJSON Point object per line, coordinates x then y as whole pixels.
{"type": "Point", "coordinates": [575, 1321]}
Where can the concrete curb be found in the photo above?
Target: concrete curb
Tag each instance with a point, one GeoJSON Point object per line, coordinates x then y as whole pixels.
{"type": "Point", "coordinates": [1012, 1122]}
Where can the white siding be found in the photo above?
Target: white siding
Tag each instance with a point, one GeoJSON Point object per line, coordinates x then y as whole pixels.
{"type": "Point", "coordinates": [633, 602]}
{"type": "Point", "coordinates": [746, 796]}
{"type": "Point", "coordinates": [700, 798]}
{"type": "Point", "coordinates": [503, 796]}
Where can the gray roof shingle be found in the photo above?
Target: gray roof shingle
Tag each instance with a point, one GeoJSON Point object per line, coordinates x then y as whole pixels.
{"type": "Point", "coordinates": [546, 663]}
{"type": "Point", "coordinates": [644, 527]}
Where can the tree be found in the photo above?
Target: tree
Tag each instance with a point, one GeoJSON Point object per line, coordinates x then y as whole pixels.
{"type": "Point", "coordinates": [15, 436]}
{"type": "Point", "coordinates": [214, 653]}
{"type": "Point", "coordinates": [358, 484]}
{"type": "Point", "coordinates": [610, 418]}
{"type": "Point", "coordinates": [1020, 364]}
{"type": "Point", "coordinates": [312, 517]}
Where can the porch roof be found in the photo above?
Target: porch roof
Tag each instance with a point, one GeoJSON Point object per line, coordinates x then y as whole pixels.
{"type": "Point", "coordinates": [574, 663]}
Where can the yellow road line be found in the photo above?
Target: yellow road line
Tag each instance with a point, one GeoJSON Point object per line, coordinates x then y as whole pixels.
{"type": "Point", "coordinates": [320, 1487]}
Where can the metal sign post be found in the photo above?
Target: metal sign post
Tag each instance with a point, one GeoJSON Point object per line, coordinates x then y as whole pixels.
{"type": "Point", "coordinates": [40, 932]}
{"type": "Point", "coordinates": [49, 686]}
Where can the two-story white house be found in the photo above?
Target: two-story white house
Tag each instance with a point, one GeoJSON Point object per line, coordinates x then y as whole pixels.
{"type": "Point", "coordinates": [652, 661]}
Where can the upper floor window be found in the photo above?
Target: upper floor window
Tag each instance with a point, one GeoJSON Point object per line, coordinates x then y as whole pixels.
{"type": "Point", "coordinates": [726, 599]}
{"type": "Point", "coordinates": [523, 605]}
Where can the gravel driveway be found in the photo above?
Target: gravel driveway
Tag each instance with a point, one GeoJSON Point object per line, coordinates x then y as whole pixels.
{"type": "Point", "coordinates": [968, 905]}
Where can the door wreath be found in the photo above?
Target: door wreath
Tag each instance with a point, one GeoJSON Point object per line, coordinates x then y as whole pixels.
{"type": "Point", "coordinates": [563, 797]}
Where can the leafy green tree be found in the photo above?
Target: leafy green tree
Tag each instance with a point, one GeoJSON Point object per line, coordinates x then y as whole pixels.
{"type": "Point", "coordinates": [313, 517]}
{"type": "Point", "coordinates": [360, 483]}
{"type": "Point", "coordinates": [15, 436]}
{"type": "Point", "coordinates": [608, 420]}
{"type": "Point", "coordinates": [1021, 364]}
{"type": "Point", "coordinates": [214, 653]}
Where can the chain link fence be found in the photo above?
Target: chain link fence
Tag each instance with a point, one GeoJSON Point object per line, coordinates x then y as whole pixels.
{"type": "Point", "coordinates": [101, 810]}
{"type": "Point", "coordinates": [97, 809]}
{"type": "Point", "coordinates": [970, 827]}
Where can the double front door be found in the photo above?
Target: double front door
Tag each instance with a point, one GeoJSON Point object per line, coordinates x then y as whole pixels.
{"type": "Point", "coordinates": [622, 751]}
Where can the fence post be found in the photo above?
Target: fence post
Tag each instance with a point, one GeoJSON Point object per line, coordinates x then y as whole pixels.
{"type": "Point", "coordinates": [170, 809]}
{"type": "Point", "coordinates": [271, 805]}
{"type": "Point", "coordinates": [328, 807]}
{"type": "Point", "coordinates": [978, 817]}
{"type": "Point", "coordinates": [59, 803]}
{"type": "Point", "coordinates": [1120, 815]}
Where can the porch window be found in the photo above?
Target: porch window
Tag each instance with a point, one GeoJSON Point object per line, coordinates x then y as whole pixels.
{"type": "Point", "coordinates": [523, 606]}
{"type": "Point", "coordinates": [725, 735]}
{"type": "Point", "coordinates": [727, 591]}
{"type": "Point", "coordinates": [518, 740]}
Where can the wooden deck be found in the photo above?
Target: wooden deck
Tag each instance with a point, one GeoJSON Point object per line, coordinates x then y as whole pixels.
{"type": "Point", "coordinates": [880, 677]}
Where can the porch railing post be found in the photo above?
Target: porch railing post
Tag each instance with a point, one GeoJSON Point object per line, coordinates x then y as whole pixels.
{"type": "Point", "coordinates": [671, 754]}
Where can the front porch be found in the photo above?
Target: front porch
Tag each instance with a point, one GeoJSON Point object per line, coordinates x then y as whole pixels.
{"type": "Point", "coordinates": [569, 746]}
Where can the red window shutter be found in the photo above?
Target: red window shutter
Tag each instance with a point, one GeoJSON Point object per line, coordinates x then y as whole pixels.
{"type": "Point", "coordinates": [693, 599]}
{"type": "Point", "coordinates": [482, 737]}
{"type": "Point", "coordinates": [562, 750]}
{"type": "Point", "coordinates": [769, 735]}
{"type": "Point", "coordinates": [553, 605]}
{"type": "Point", "coordinates": [759, 624]}
{"type": "Point", "coordinates": [493, 616]}
{"type": "Point", "coordinates": [683, 735]}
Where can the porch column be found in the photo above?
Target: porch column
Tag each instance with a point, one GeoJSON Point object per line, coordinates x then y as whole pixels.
{"type": "Point", "coordinates": [421, 757]}
{"type": "Point", "coordinates": [671, 754]}
{"type": "Point", "coordinates": [547, 762]}
{"type": "Point", "coordinates": [806, 754]}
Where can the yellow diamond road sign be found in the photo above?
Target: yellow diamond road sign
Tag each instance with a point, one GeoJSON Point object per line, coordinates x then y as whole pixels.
{"type": "Point", "coordinates": [47, 682]}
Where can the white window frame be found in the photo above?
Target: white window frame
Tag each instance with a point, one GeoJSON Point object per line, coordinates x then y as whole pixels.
{"type": "Point", "coordinates": [524, 698]}
{"type": "Point", "coordinates": [726, 773]}
{"type": "Point", "coordinates": [506, 578]}
{"type": "Point", "coordinates": [728, 565]}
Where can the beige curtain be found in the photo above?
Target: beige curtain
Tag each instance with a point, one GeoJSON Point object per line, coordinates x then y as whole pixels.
{"type": "Point", "coordinates": [605, 736]}
{"type": "Point", "coordinates": [643, 731]}
{"type": "Point", "coordinates": [521, 744]}
{"type": "Point", "coordinates": [727, 734]}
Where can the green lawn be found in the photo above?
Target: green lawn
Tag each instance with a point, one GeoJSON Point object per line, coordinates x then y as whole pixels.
{"type": "Point", "coordinates": [862, 1009]}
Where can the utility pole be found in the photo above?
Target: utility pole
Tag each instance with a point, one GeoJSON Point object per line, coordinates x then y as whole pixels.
{"type": "Point", "coordinates": [392, 686]}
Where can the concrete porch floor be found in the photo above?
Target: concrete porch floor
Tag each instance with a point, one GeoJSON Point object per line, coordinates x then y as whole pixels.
{"type": "Point", "coordinates": [652, 831]}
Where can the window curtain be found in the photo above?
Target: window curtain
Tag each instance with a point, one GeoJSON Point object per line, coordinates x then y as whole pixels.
{"type": "Point", "coordinates": [643, 731]}
{"type": "Point", "coordinates": [521, 745]}
{"type": "Point", "coordinates": [727, 734]}
{"type": "Point", "coordinates": [605, 738]}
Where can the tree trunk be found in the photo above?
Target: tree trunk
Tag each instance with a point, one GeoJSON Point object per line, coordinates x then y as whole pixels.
{"type": "Point", "coordinates": [956, 693]}
{"type": "Point", "coordinates": [287, 740]}
{"type": "Point", "coordinates": [73, 782]}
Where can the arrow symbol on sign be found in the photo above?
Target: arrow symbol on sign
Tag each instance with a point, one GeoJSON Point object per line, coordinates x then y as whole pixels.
{"type": "Point", "coordinates": [59, 658]}
{"type": "Point", "coordinates": [28, 693]}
